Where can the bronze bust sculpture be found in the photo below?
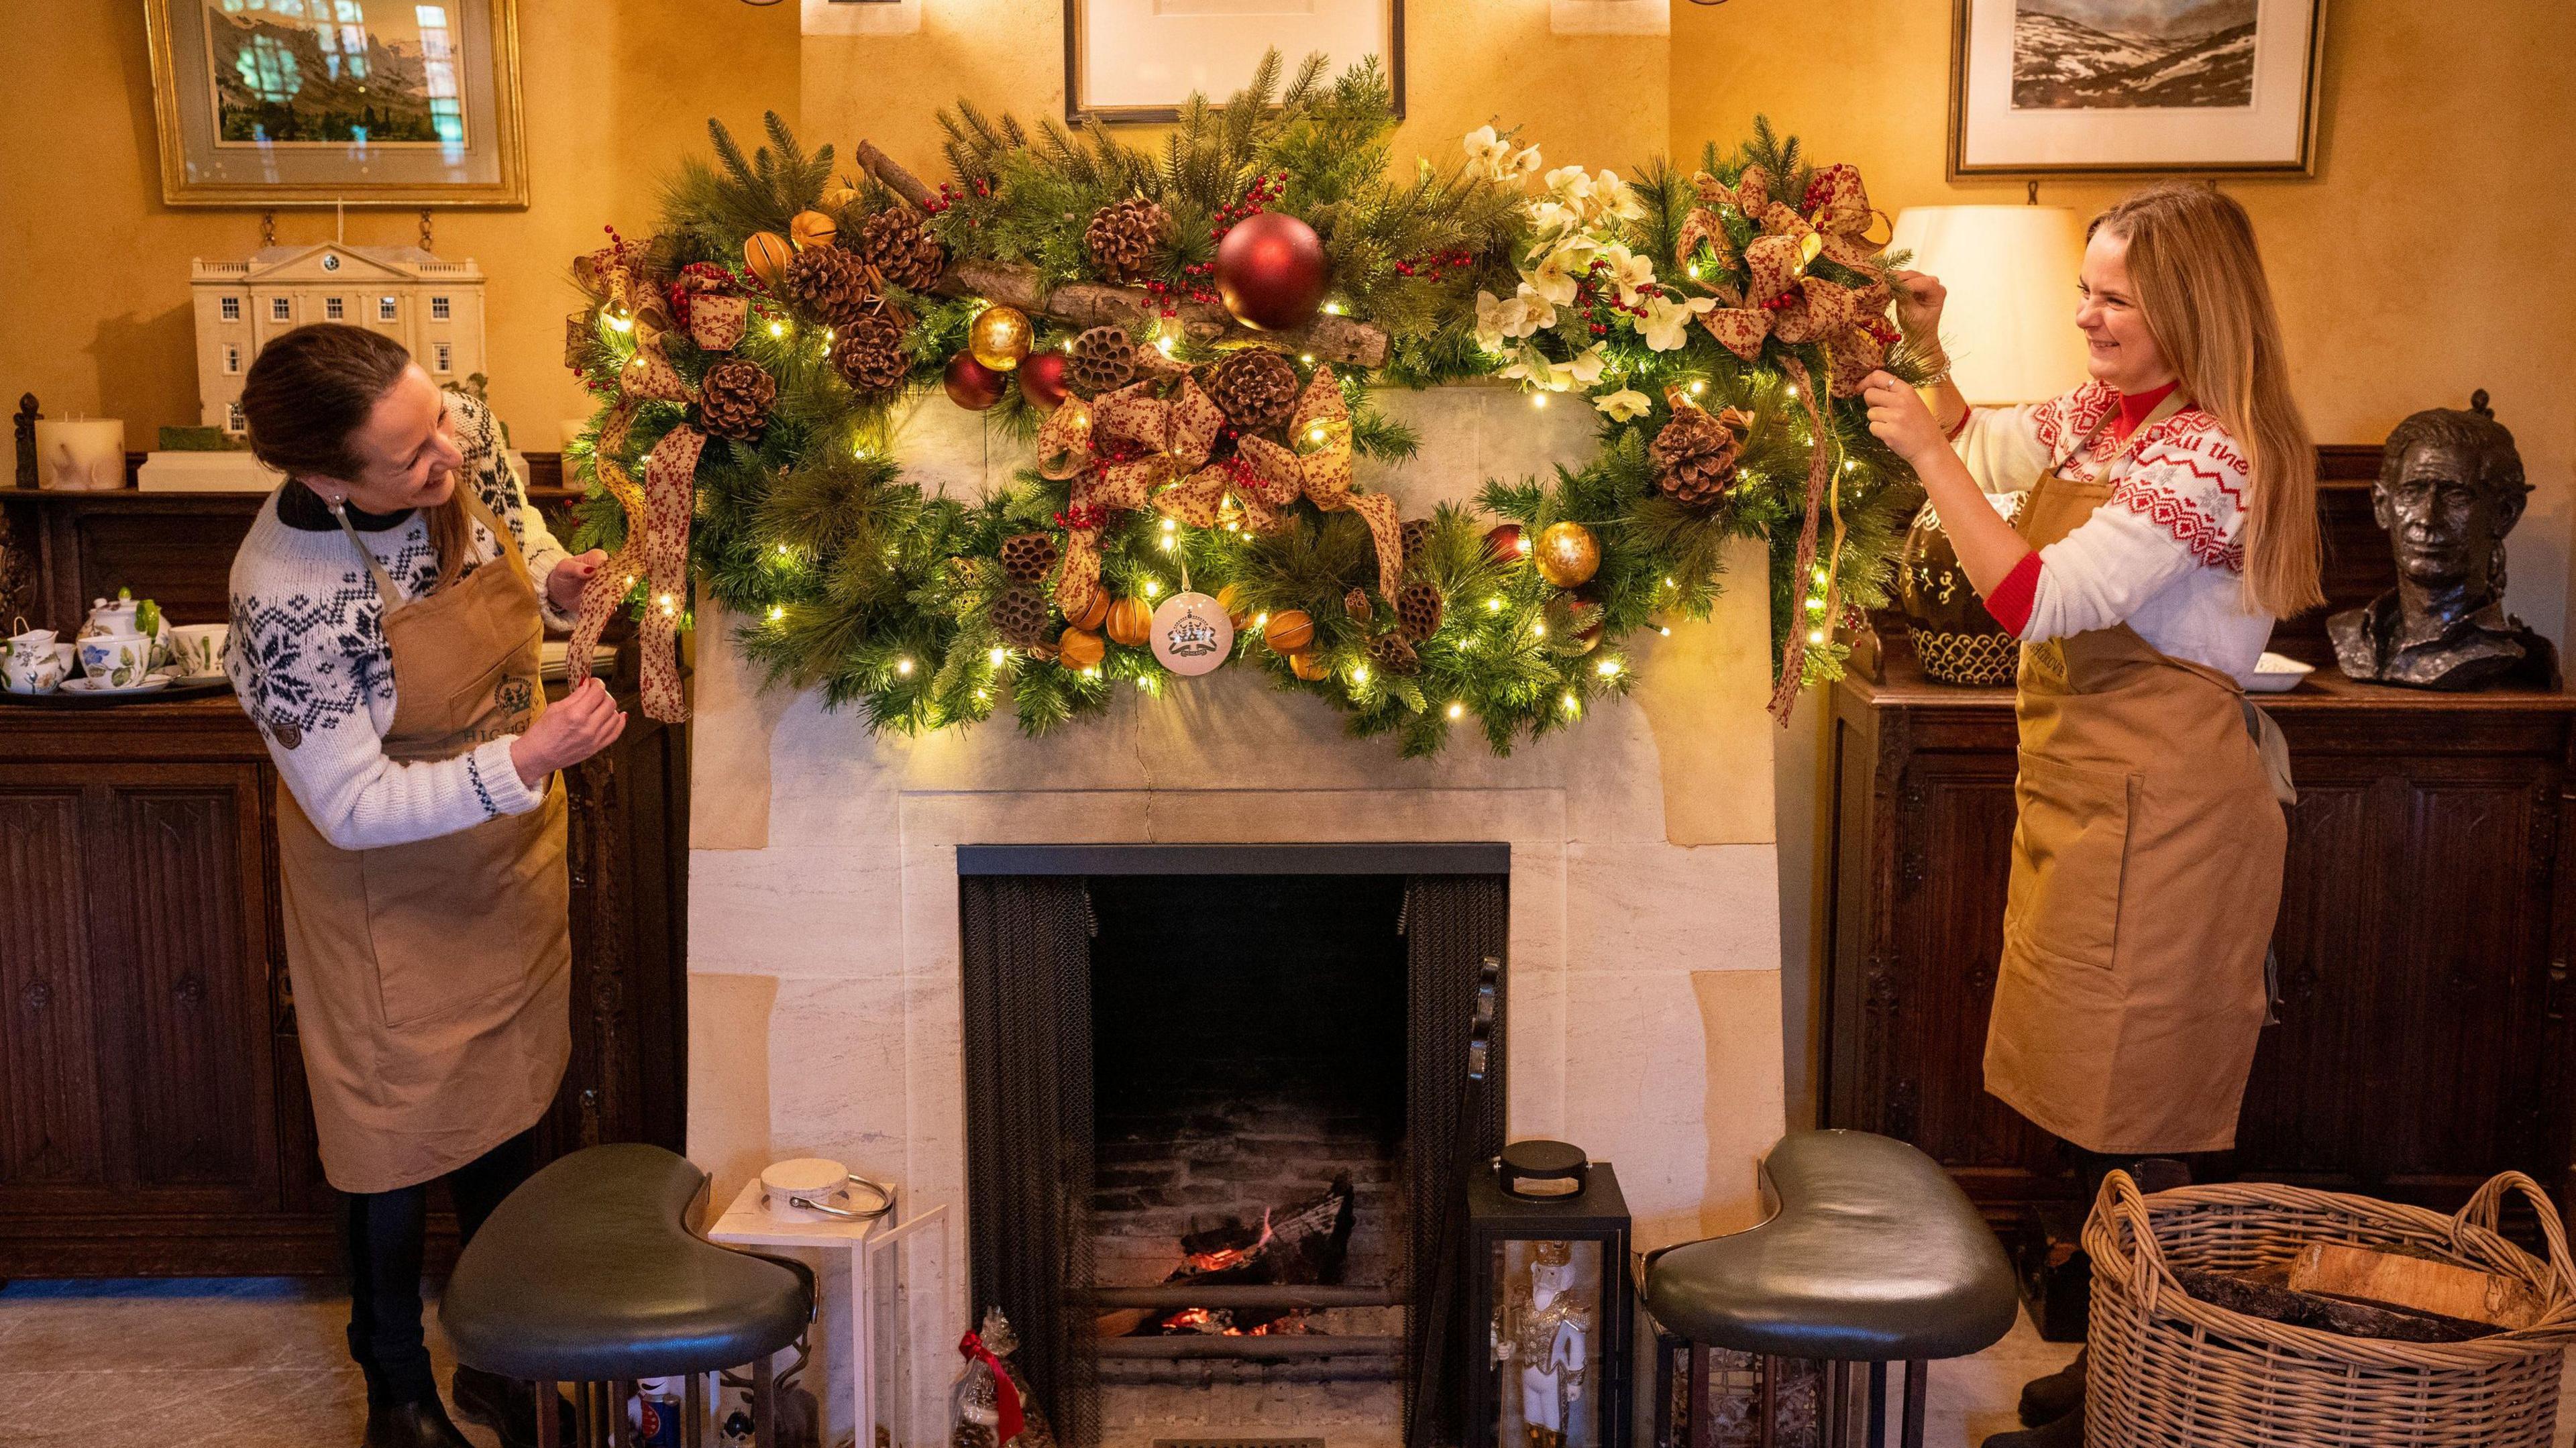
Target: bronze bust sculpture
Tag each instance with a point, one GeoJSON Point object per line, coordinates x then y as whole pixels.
{"type": "Point", "coordinates": [2450, 488]}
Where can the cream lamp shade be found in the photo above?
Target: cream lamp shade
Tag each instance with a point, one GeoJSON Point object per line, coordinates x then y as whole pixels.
{"type": "Point", "coordinates": [2009, 326]}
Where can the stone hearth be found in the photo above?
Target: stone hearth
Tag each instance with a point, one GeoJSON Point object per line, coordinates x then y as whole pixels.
{"type": "Point", "coordinates": [1644, 929]}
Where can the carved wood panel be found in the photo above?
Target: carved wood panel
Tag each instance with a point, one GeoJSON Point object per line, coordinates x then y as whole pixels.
{"type": "Point", "coordinates": [50, 1131]}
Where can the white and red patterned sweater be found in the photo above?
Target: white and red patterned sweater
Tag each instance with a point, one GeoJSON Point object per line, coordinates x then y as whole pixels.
{"type": "Point", "coordinates": [2164, 556]}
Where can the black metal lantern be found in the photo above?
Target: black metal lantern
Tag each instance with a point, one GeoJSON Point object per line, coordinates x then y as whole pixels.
{"type": "Point", "coordinates": [1548, 1305]}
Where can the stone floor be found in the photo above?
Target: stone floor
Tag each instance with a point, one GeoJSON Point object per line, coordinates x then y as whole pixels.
{"type": "Point", "coordinates": [260, 1363]}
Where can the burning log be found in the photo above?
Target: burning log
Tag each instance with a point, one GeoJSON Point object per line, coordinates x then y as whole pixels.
{"type": "Point", "coordinates": [1306, 1245]}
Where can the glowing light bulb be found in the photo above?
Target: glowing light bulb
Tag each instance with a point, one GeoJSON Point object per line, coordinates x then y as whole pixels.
{"type": "Point", "coordinates": [621, 324]}
{"type": "Point", "coordinates": [1315, 433]}
{"type": "Point", "coordinates": [1538, 628]}
{"type": "Point", "coordinates": [1851, 465]}
{"type": "Point", "coordinates": [1573, 705]}
{"type": "Point", "coordinates": [903, 667]}
{"type": "Point", "coordinates": [829, 334]}
{"type": "Point", "coordinates": [1306, 357]}
{"type": "Point", "coordinates": [1493, 605]}
{"type": "Point", "coordinates": [778, 329]}
{"type": "Point", "coordinates": [1332, 309]}
{"type": "Point", "coordinates": [776, 613]}
{"type": "Point", "coordinates": [1659, 628]}
{"type": "Point", "coordinates": [1698, 388]}
{"type": "Point", "coordinates": [1169, 525]}
{"type": "Point", "coordinates": [782, 551]}
{"type": "Point", "coordinates": [1165, 543]}
{"type": "Point", "coordinates": [1092, 673]}
{"type": "Point", "coordinates": [1609, 668]}
{"type": "Point", "coordinates": [1262, 622]}
{"type": "Point", "coordinates": [1001, 657]}
{"type": "Point", "coordinates": [1668, 583]}
{"type": "Point", "coordinates": [1815, 635]}
{"type": "Point", "coordinates": [1152, 588]}
{"type": "Point", "coordinates": [1163, 344]}
{"type": "Point", "coordinates": [1359, 673]}
{"type": "Point", "coordinates": [1822, 576]}
{"type": "Point", "coordinates": [1457, 711]}
{"type": "Point", "coordinates": [983, 696]}
{"type": "Point", "coordinates": [1538, 399]}
{"type": "Point", "coordinates": [1793, 389]}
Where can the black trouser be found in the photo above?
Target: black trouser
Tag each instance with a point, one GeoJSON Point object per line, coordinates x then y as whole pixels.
{"type": "Point", "coordinates": [2171, 1169]}
{"type": "Point", "coordinates": [387, 1234]}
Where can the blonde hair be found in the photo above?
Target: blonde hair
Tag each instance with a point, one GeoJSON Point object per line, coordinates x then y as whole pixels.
{"type": "Point", "coordinates": [2201, 285]}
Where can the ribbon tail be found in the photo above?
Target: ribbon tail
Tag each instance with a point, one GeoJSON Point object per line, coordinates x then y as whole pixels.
{"type": "Point", "coordinates": [1820, 467]}
{"type": "Point", "coordinates": [1081, 576]}
{"type": "Point", "coordinates": [1378, 511]}
{"type": "Point", "coordinates": [669, 500]}
{"type": "Point", "coordinates": [607, 587]}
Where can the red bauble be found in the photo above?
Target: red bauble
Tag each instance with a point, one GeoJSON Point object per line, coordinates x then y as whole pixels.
{"type": "Point", "coordinates": [970, 384]}
{"type": "Point", "coordinates": [1270, 272]}
{"type": "Point", "coordinates": [1042, 379]}
{"type": "Point", "coordinates": [1504, 541]}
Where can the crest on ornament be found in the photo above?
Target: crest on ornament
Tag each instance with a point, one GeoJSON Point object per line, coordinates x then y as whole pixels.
{"type": "Point", "coordinates": [1192, 634]}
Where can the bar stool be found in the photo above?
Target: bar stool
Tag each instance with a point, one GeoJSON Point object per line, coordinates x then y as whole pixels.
{"type": "Point", "coordinates": [588, 1275]}
{"type": "Point", "coordinates": [1872, 1255]}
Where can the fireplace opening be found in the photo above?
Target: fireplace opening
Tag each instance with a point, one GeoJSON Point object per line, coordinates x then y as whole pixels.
{"type": "Point", "coordinates": [1213, 1104]}
{"type": "Point", "coordinates": [1249, 1051]}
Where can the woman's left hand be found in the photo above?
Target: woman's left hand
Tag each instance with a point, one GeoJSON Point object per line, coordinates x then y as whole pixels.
{"type": "Point", "coordinates": [1900, 420]}
{"type": "Point", "coordinates": [571, 576]}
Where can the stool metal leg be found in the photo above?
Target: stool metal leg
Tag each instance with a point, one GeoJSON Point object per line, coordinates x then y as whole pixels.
{"type": "Point", "coordinates": [694, 1406]}
{"type": "Point", "coordinates": [1878, 1405]}
{"type": "Point", "coordinates": [1838, 1407]}
{"type": "Point", "coordinates": [1918, 1381]}
{"type": "Point", "coordinates": [1770, 1401]}
{"type": "Point", "coordinates": [546, 1425]}
{"type": "Point", "coordinates": [581, 1425]}
{"type": "Point", "coordinates": [764, 1405]}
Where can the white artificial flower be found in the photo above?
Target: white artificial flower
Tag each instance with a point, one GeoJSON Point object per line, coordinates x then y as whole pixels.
{"type": "Point", "coordinates": [1615, 199]}
{"type": "Point", "coordinates": [1538, 313]}
{"type": "Point", "coordinates": [1571, 182]}
{"type": "Point", "coordinates": [1667, 320]}
{"type": "Point", "coordinates": [1625, 405]}
{"type": "Point", "coordinates": [1585, 369]}
{"type": "Point", "coordinates": [1554, 218]}
{"type": "Point", "coordinates": [1629, 272]}
{"type": "Point", "coordinates": [1562, 268]}
{"type": "Point", "coordinates": [1524, 162]}
{"type": "Point", "coordinates": [1488, 155]}
{"type": "Point", "coordinates": [1494, 319]}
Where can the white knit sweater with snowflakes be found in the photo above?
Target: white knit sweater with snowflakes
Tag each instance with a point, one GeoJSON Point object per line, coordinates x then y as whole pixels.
{"type": "Point", "coordinates": [309, 662]}
{"type": "Point", "coordinates": [2164, 555]}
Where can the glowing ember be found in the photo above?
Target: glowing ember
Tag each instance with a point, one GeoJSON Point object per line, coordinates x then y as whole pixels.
{"type": "Point", "coordinates": [1218, 1322]}
{"type": "Point", "coordinates": [1231, 1256]}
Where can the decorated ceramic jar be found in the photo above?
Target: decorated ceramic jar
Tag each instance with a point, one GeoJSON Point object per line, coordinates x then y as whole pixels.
{"type": "Point", "coordinates": [1957, 641]}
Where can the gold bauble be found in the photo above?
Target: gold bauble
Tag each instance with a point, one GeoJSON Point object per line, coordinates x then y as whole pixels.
{"type": "Point", "coordinates": [1289, 632]}
{"type": "Point", "coordinates": [1307, 666]}
{"type": "Point", "coordinates": [999, 337]}
{"type": "Point", "coordinates": [812, 228]}
{"type": "Point", "coordinates": [767, 253]}
{"type": "Point", "coordinates": [1567, 555]}
{"type": "Point", "coordinates": [1076, 649]}
{"type": "Point", "coordinates": [1131, 621]}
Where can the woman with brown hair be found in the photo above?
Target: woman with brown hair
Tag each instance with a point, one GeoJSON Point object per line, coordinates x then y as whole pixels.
{"type": "Point", "coordinates": [2171, 520]}
{"type": "Point", "coordinates": [387, 611]}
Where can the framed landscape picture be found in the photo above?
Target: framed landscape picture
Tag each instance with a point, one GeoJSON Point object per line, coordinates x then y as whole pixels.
{"type": "Point", "coordinates": [280, 102]}
{"type": "Point", "coordinates": [1138, 60]}
{"type": "Point", "coordinates": [2210, 87]}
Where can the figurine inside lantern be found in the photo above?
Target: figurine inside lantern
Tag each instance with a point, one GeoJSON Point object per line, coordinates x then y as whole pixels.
{"type": "Point", "coordinates": [1548, 1255]}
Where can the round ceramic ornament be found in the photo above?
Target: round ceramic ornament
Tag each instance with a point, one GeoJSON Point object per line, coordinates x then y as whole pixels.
{"type": "Point", "coordinates": [1192, 634]}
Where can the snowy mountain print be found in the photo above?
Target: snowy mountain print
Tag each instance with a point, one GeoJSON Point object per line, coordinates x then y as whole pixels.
{"type": "Point", "coordinates": [2104, 54]}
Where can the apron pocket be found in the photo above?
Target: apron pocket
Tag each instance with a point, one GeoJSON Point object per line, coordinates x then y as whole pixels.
{"type": "Point", "coordinates": [445, 917]}
{"type": "Point", "coordinates": [2070, 848]}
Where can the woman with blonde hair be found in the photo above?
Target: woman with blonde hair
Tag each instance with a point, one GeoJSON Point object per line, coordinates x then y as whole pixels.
{"type": "Point", "coordinates": [2171, 519]}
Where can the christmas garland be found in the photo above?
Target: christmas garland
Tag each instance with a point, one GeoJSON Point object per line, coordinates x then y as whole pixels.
{"type": "Point", "coordinates": [1191, 337]}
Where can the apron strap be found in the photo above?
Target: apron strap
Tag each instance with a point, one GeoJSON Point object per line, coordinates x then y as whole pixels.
{"type": "Point", "coordinates": [2173, 402]}
{"type": "Point", "coordinates": [474, 512]}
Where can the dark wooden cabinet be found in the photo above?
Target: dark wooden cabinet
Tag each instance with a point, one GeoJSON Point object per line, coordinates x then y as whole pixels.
{"type": "Point", "coordinates": [153, 1112]}
{"type": "Point", "coordinates": [2422, 939]}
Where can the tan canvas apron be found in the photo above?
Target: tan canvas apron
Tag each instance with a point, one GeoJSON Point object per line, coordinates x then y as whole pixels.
{"type": "Point", "coordinates": [432, 980]}
{"type": "Point", "coordinates": [2146, 873]}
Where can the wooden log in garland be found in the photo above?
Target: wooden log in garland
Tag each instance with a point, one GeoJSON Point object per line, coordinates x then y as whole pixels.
{"type": "Point", "coordinates": [1338, 340]}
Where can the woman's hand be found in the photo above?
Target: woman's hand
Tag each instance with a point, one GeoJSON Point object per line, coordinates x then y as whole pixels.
{"type": "Point", "coordinates": [571, 576]}
{"type": "Point", "coordinates": [584, 723]}
{"type": "Point", "coordinates": [1900, 420]}
{"type": "Point", "coordinates": [1919, 299]}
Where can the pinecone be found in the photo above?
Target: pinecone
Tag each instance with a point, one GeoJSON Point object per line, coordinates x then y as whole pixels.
{"type": "Point", "coordinates": [902, 250]}
{"type": "Point", "coordinates": [1415, 534]}
{"type": "Point", "coordinates": [1695, 454]}
{"type": "Point", "coordinates": [1417, 611]}
{"type": "Point", "coordinates": [1256, 388]}
{"type": "Point", "coordinates": [1026, 557]}
{"type": "Point", "coordinates": [1020, 615]}
{"type": "Point", "coordinates": [868, 353]}
{"type": "Point", "coordinates": [1356, 604]}
{"type": "Point", "coordinates": [734, 399]}
{"type": "Point", "coordinates": [829, 283]}
{"type": "Point", "coordinates": [1103, 359]}
{"type": "Point", "coordinates": [1121, 238]}
{"type": "Point", "coordinates": [1395, 655]}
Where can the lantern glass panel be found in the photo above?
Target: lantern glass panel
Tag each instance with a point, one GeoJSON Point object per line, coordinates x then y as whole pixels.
{"type": "Point", "coordinates": [1547, 1343]}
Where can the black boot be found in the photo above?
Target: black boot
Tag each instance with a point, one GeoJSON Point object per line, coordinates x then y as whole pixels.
{"type": "Point", "coordinates": [2066, 1432]}
{"type": "Point", "coordinates": [507, 1406]}
{"type": "Point", "coordinates": [2043, 1400]}
{"type": "Point", "coordinates": [415, 1423]}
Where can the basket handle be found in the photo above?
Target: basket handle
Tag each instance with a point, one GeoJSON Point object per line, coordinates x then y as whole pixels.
{"type": "Point", "coordinates": [2124, 1208]}
{"type": "Point", "coordinates": [2485, 1210]}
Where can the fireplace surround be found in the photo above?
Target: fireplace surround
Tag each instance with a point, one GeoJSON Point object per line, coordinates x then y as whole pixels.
{"type": "Point", "coordinates": [1169, 1040]}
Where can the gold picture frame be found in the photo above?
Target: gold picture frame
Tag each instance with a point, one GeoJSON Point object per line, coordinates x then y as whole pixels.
{"type": "Point", "coordinates": [2274, 131]}
{"type": "Point", "coordinates": [220, 68]}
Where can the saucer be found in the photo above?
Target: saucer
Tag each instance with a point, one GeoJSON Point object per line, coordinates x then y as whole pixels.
{"type": "Point", "coordinates": [149, 683]}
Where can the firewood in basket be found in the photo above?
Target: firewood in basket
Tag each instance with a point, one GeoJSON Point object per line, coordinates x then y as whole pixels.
{"type": "Point", "coordinates": [2346, 1318]}
{"type": "Point", "coordinates": [2415, 1284]}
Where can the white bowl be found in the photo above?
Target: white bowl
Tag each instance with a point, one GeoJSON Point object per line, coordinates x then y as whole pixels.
{"type": "Point", "coordinates": [2276, 674]}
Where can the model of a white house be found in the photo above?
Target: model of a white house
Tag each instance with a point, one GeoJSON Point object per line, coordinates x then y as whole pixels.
{"type": "Point", "coordinates": [433, 307]}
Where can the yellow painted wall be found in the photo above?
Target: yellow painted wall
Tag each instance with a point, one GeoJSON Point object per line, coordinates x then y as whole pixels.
{"type": "Point", "coordinates": [98, 319]}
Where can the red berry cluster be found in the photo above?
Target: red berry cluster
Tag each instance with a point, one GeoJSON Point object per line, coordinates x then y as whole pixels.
{"type": "Point", "coordinates": [1815, 194]}
{"type": "Point", "coordinates": [1164, 292]}
{"type": "Point", "coordinates": [1595, 295]}
{"type": "Point", "coordinates": [949, 195]}
{"type": "Point", "coordinates": [1265, 189]}
{"type": "Point", "coordinates": [1882, 329]}
{"type": "Point", "coordinates": [1435, 265]}
{"type": "Point", "coordinates": [1082, 516]}
{"type": "Point", "coordinates": [702, 276]}
{"type": "Point", "coordinates": [1785, 300]}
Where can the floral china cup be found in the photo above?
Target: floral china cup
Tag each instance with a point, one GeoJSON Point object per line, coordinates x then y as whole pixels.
{"type": "Point", "coordinates": [117, 661]}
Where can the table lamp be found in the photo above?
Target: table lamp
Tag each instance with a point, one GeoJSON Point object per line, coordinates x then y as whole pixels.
{"type": "Point", "coordinates": [2009, 326]}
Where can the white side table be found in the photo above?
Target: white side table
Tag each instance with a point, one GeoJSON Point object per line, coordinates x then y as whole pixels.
{"type": "Point", "coordinates": [747, 1223]}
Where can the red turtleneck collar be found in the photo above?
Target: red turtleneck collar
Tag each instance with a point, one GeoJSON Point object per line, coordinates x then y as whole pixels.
{"type": "Point", "coordinates": [2134, 407]}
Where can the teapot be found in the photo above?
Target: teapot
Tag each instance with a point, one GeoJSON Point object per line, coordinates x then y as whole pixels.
{"type": "Point", "coordinates": [123, 615]}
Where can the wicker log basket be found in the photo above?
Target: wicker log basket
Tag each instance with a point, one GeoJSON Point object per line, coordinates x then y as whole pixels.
{"type": "Point", "coordinates": [2175, 1372]}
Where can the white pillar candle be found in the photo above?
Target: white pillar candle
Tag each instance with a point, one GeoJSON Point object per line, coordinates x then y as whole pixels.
{"type": "Point", "coordinates": [80, 453]}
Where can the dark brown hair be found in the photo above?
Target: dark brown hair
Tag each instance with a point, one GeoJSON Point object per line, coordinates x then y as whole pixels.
{"type": "Point", "coordinates": [310, 390]}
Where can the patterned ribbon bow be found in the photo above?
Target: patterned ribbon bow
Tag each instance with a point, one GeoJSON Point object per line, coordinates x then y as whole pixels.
{"type": "Point", "coordinates": [657, 512]}
{"type": "Point", "coordinates": [1269, 477]}
{"type": "Point", "coordinates": [1778, 298]}
{"type": "Point", "coordinates": [1117, 451]}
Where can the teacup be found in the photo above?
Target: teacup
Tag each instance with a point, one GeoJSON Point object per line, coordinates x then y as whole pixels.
{"type": "Point", "coordinates": [197, 649]}
{"type": "Point", "coordinates": [33, 663]}
{"type": "Point", "coordinates": [117, 661]}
